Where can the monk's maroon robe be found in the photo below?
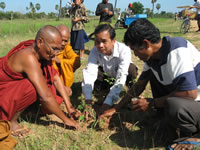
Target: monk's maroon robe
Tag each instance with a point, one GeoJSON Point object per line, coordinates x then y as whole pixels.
{"type": "Point", "coordinates": [16, 91]}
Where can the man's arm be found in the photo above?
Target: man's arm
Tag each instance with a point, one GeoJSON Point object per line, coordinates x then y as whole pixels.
{"type": "Point", "coordinates": [98, 11]}
{"type": "Point", "coordinates": [144, 103]}
{"type": "Point", "coordinates": [61, 89]}
{"type": "Point", "coordinates": [190, 95]}
{"type": "Point", "coordinates": [135, 91]}
{"type": "Point", "coordinates": [111, 12]}
{"type": "Point", "coordinates": [90, 75]}
{"type": "Point", "coordinates": [31, 67]}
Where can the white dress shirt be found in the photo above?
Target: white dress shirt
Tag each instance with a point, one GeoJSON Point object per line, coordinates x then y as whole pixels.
{"type": "Point", "coordinates": [116, 66]}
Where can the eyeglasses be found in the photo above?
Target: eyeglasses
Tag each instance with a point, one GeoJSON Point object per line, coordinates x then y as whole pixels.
{"type": "Point", "coordinates": [53, 51]}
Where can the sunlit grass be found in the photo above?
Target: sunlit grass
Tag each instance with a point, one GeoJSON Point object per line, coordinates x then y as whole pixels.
{"type": "Point", "coordinates": [130, 130]}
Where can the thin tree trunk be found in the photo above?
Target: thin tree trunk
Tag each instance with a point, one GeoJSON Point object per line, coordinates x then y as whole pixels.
{"type": "Point", "coordinates": [60, 8]}
{"type": "Point", "coordinates": [115, 5]}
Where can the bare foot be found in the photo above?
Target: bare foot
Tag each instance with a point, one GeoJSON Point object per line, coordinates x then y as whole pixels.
{"type": "Point", "coordinates": [187, 144]}
{"type": "Point", "coordinates": [19, 131]}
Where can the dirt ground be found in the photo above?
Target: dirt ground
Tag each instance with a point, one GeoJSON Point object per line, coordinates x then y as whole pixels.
{"type": "Point", "coordinates": [194, 26]}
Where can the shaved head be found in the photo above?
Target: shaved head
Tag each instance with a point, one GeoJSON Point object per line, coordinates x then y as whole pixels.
{"type": "Point", "coordinates": [48, 33]}
{"type": "Point", "coordinates": [65, 33]}
{"type": "Point", "coordinates": [64, 30]}
{"type": "Point", "coordinates": [48, 40]}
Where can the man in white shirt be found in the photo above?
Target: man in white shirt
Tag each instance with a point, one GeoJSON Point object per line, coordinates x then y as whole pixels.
{"type": "Point", "coordinates": [111, 58]}
{"type": "Point", "coordinates": [197, 6]}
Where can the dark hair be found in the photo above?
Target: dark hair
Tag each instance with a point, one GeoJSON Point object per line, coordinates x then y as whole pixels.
{"type": "Point", "coordinates": [81, 1]}
{"type": "Point", "coordinates": [140, 30]}
{"type": "Point", "coordinates": [105, 27]}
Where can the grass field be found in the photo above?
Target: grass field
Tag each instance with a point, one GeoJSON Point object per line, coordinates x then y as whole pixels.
{"type": "Point", "coordinates": [128, 130]}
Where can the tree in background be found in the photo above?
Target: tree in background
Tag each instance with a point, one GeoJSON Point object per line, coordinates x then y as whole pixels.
{"type": "Point", "coordinates": [117, 10]}
{"type": "Point", "coordinates": [33, 8]}
{"type": "Point", "coordinates": [153, 2]}
{"type": "Point", "coordinates": [60, 10]}
{"type": "Point", "coordinates": [37, 6]}
{"type": "Point", "coordinates": [67, 7]}
{"type": "Point", "coordinates": [115, 4]}
{"type": "Point", "coordinates": [138, 8]}
{"type": "Point", "coordinates": [2, 5]}
{"type": "Point", "coordinates": [90, 12]}
{"type": "Point", "coordinates": [148, 12]}
{"type": "Point", "coordinates": [163, 13]}
{"type": "Point", "coordinates": [158, 7]}
{"type": "Point", "coordinates": [57, 8]}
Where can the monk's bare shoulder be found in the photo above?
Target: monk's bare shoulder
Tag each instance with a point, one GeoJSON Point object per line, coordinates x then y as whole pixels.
{"type": "Point", "coordinates": [25, 58]}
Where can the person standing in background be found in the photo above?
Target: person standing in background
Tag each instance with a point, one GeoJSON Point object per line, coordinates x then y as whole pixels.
{"type": "Point", "coordinates": [105, 11]}
{"type": "Point", "coordinates": [79, 18]}
{"type": "Point", "coordinates": [66, 62]}
{"type": "Point", "coordinates": [197, 6]}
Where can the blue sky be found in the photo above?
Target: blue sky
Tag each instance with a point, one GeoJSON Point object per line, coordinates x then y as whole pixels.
{"type": "Point", "coordinates": [49, 5]}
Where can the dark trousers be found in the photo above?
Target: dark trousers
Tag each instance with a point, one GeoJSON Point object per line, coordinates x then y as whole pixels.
{"type": "Point", "coordinates": [198, 20]}
{"type": "Point", "coordinates": [183, 114]}
{"type": "Point", "coordinates": [103, 85]}
{"type": "Point", "coordinates": [179, 113]}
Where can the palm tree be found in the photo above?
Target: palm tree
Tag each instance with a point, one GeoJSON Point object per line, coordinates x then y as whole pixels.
{"type": "Point", "coordinates": [31, 5]}
{"type": "Point", "coordinates": [57, 7]}
{"type": "Point", "coordinates": [37, 6]}
{"type": "Point", "coordinates": [158, 7]}
{"type": "Point", "coordinates": [60, 9]}
{"type": "Point", "coordinates": [153, 2]}
{"type": "Point", "coordinates": [2, 5]}
{"type": "Point", "coordinates": [32, 8]}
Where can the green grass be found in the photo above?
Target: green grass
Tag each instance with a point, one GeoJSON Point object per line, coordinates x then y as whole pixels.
{"type": "Point", "coordinates": [129, 130]}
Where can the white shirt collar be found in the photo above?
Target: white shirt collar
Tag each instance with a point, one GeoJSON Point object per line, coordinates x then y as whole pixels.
{"type": "Point", "coordinates": [115, 51]}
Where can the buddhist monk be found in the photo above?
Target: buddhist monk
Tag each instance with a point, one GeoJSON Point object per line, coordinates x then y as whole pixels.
{"type": "Point", "coordinates": [67, 61]}
{"type": "Point", "coordinates": [26, 73]}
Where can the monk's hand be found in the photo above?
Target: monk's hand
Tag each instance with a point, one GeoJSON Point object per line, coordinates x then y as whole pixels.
{"type": "Point", "coordinates": [68, 90]}
{"type": "Point", "coordinates": [74, 114]}
{"type": "Point", "coordinates": [56, 59]}
{"type": "Point", "coordinates": [141, 104]}
{"type": "Point", "coordinates": [73, 123]}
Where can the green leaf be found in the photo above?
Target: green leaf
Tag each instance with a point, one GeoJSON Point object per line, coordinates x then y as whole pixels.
{"type": "Point", "coordinates": [81, 118]}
